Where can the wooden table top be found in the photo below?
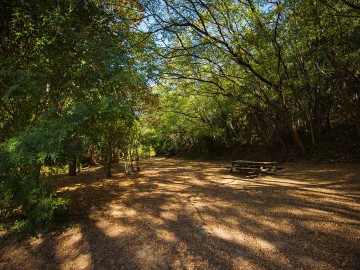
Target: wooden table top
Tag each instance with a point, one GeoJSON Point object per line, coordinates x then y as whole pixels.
{"type": "Point", "coordinates": [254, 162]}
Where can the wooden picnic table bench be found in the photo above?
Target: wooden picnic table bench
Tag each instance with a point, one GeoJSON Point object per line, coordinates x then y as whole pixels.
{"type": "Point", "coordinates": [254, 166]}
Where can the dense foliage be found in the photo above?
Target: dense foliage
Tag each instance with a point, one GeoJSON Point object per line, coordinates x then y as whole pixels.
{"type": "Point", "coordinates": [70, 83]}
{"type": "Point", "coordinates": [275, 74]}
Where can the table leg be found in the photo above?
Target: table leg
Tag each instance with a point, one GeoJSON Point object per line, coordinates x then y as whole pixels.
{"type": "Point", "coordinates": [260, 171]}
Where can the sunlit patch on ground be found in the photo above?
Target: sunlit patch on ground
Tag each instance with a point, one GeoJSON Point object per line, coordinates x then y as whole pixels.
{"type": "Point", "coordinates": [177, 214]}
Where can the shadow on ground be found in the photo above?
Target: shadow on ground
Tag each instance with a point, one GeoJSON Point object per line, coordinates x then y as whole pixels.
{"type": "Point", "coordinates": [200, 216]}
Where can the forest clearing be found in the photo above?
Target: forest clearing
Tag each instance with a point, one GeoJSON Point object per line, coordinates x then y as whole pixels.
{"type": "Point", "coordinates": [244, 115]}
{"type": "Point", "coordinates": [178, 214]}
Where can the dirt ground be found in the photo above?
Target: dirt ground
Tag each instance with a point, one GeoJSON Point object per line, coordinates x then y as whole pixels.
{"type": "Point", "coordinates": [177, 214]}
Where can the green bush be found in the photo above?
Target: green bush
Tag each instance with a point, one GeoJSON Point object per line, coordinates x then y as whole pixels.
{"type": "Point", "coordinates": [43, 209]}
{"type": "Point", "coordinates": [28, 202]}
{"type": "Point", "coordinates": [27, 198]}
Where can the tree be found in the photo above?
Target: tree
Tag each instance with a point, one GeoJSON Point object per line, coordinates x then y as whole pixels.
{"type": "Point", "coordinates": [240, 34]}
{"type": "Point", "coordinates": [260, 51]}
{"type": "Point", "coordinates": [64, 64]}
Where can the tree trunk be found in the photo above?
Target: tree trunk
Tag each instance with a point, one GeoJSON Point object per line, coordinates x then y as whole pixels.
{"type": "Point", "coordinates": [126, 167]}
{"type": "Point", "coordinates": [108, 170]}
{"type": "Point", "coordinates": [283, 145]}
{"type": "Point", "coordinates": [108, 164]}
{"type": "Point", "coordinates": [137, 159]}
{"type": "Point", "coordinates": [128, 161]}
{"type": "Point", "coordinates": [318, 122]}
{"type": "Point", "coordinates": [72, 167]}
{"type": "Point", "coordinates": [131, 164]}
{"type": "Point", "coordinates": [307, 119]}
{"type": "Point", "coordinates": [289, 123]}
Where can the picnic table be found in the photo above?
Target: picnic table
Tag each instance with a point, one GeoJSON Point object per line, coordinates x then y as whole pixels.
{"type": "Point", "coordinates": [254, 166]}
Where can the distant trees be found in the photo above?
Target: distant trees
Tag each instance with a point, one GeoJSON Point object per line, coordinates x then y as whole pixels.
{"type": "Point", "coordinates": [291, 67]}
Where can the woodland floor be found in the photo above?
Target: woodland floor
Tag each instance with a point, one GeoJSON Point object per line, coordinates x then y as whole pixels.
{"type": "Point", "coordinates": [178, 214]}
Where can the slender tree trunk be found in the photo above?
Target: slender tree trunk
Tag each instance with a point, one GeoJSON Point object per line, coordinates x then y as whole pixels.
{"type": "Point", "coordinates": [137, 160]}
{"type": "Point", "coordinates": [289, 123]}
{"type": "Point", "coordinates": [108, 170]}
{"type": "Point", "coordinates": [108, 164]}
{"type": "Point", "coordinates": [318, 120]}
{"type": "Point", "coordinates": [293, 132]}
{"type": "Point", "coordinates": [128, 161]}
{"type": "Point", "coordinates": [72, 167]}
{"type": "Point", "coordinates": [131, 165]}
{"type": "Point", "coordinates": [283, 145]}
{"type": "Point", "coordinates": [307, 119]}
{"type": "Point", "coordinates": [127, 167]}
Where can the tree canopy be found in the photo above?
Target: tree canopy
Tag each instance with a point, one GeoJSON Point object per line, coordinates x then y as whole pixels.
{"type": "Point", "coordinates": [291, 68]}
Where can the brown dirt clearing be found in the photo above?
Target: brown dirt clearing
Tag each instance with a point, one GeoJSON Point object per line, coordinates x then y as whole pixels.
{"type": "Point", "coordinates": [178, 214]}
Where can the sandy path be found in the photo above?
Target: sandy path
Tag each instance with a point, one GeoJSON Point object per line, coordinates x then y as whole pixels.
{"type": "Point", "coordinates": [197, 215]}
